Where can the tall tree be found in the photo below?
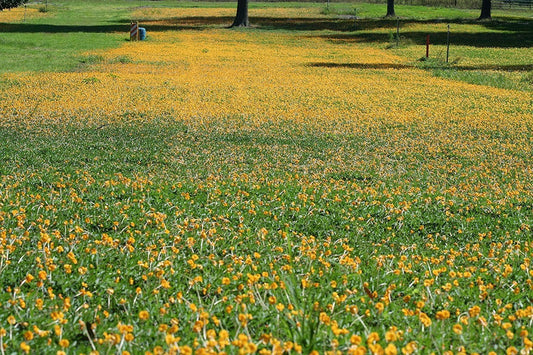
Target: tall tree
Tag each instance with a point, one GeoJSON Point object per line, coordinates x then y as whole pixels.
{"type": "Point", "coordinates": [486, 6]}
{"type": "Point", "coordinates": [390, 9]}
{"type": "Point", "coordinates": [241, 19]}
{"type": "Point", "coordinates": [8, 4]}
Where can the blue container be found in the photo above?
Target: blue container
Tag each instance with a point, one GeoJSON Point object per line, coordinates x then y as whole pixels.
{"type": "Point", "coordinates": [142, 33]}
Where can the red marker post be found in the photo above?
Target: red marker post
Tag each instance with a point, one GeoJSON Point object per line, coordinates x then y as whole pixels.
{"type": "Point", "coordinates": [134, 31]}
{"type": "Point", "coordinates": [427, 46]}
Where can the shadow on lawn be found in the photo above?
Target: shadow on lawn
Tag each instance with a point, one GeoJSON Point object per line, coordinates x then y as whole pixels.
{"type": "Point", "coordinates": [480, 39]}
{"type": "Point", "coordinates": [512, 33]}
{"type": "Point", "coordinates": [517, 68]}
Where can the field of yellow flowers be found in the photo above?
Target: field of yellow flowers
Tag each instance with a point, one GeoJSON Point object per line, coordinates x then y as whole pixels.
{"type": "Point", "coordinates": [262, 191]}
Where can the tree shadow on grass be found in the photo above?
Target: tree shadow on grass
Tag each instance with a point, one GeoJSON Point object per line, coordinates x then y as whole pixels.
{"type": "Point", "coordinates": [512, 34]}
{"type": "Point", "coordinates": [377, 66]}
{"type": "Point", "coordinates": [523, 28]}
{"type": "Point", "coordinates": [361, 65]}
{"type": "Point", "coordinates": [480, 39]}
{"type": "Point", "coordinates": [186, 23]}
{"type": "Point", "coordinates": [49, 28]}
{"type": "Point", "coordinates": [170, 24]}
{"type": "Point", "coordinates": [263, 23]}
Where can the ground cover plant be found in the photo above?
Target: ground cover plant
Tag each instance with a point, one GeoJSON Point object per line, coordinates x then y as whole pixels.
{"type": "Point", "coordinates": [299, 186]}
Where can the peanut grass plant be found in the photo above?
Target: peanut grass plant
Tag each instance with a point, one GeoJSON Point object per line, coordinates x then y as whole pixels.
{"type": "Point", "coordinates": [301, 186]}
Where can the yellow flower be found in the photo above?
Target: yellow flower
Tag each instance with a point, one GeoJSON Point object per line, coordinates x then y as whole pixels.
{"type": "Point", "coordinates": [25, 347]}
{"type": "Point", "coordinates": [424, 319]}
{"type": "Point", "coordinates": [372, 338]}
{"type": "Point", "coordinates": [165, 283]}
{"type": "Point", "coordinates": [457, 329]}
{"type": "Point", "coordinates": [64, 343]}
{"type": "Point", "coordinates": [355, 339]}
{"type": "Point", "coordinates": [185, 350]}
{"type": "Point", "coordinates": [391, 349]}
{"type": "Point", "coordinates": [444, 314]}
{"type": "Point", "coordinates": [474, 311]}
{"type": "Point", "coordinates": [243, 318]}
{"type": "Point", "coordinates": [409, 348]}
{"type": "Point", "coordinates": [392, 335]}
{"type": "Point", "coordinates": [144, 315]}
{"type": "Point", "coordinates": [28, 335]}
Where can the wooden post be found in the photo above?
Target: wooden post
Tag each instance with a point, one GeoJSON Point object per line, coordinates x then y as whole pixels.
{"type": "Point", "coordinates": [427, 46]}
{"type": "Point", "coordinates": [397, 32]}
{"type": "Point", "coordinates": [448, 44]}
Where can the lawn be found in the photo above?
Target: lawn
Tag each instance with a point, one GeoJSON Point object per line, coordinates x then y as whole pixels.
{"type": "Point", "coordinates": [308, 184]}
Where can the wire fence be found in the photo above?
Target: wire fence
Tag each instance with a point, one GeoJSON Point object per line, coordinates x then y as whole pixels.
{"type": "Point", "coordinates": [460, 4]}
{"type": "Point", "coordinates": [512, 4]}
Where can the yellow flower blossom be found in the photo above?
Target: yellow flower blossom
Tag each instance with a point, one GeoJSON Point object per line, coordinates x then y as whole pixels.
{"type": "Point", "coordinates": [144, 315]}
{"type": "Point", "coordinates": [64, 343]}
{"type": "Point", "coordinates": [457, 328]}
{"type": "Point", "coordinates": [25, 347]}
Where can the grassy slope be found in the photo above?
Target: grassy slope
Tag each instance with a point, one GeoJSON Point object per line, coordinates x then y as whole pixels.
{"type": "Point", "coordinates": [55, 40]}
{"type": "Point", "coordinates": [399, 187]}
{"type": "Point", "coordinates": [59, 39]}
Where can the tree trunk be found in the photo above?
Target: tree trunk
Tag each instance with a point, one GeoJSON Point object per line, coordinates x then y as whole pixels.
{"type": "Point", "coordinates": [241, 19]}
{"type": "Point", "coordinates": [390, 9]}
{"type": "Point", "coordinates": [485, 10]}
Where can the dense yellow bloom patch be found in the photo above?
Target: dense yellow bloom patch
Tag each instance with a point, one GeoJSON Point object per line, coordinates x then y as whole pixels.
{"type": "Point", "coordinates": [230, 73]}
{"type": "Point", "coordinates": [19, 14]}
{"type": "Point", "coordinates": [253, 78]}
{"type": "Point", "coordinates": [170, 16]}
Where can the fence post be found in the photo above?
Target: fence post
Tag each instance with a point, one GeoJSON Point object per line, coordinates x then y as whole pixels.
{"type": "Point", "coordinates": [448, 44]}
{"type": "Point", "coordinates": [397, 32]}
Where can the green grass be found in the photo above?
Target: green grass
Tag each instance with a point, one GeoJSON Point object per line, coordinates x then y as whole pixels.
{"type": "Point", "coordinates": [499, 79]}
{"type": "Point", "coordinates": [56, 41]}
{"type": "Point", "coordinates": [124, 174]}
{"type": "Point", "coordinates": [403, 11]}
{"type": "Point", "coordinates": [370, 214]}
{"type": "Point", "coordinates": [49, 51]}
